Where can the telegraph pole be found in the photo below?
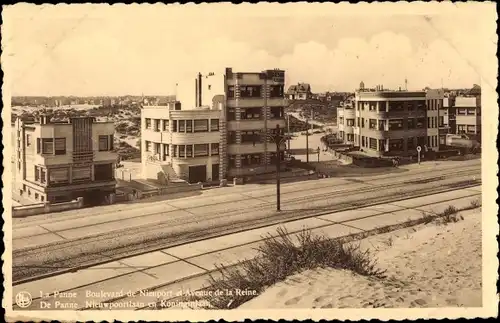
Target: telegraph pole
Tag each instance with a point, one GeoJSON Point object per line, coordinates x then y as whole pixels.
{"type": "Point", "coordinates": [307, 140]}
{"type": "Point", "coordinates": [278, 159]}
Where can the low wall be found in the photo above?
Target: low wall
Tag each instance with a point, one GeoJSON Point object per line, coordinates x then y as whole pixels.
{"type": "Point", "coordinates": [41, 208]}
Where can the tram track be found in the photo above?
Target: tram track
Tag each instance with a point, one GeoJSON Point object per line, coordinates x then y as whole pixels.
{"type": "Point", "coordinates": [25, 269]}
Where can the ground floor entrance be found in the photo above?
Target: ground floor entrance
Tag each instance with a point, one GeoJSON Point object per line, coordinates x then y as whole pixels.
{"type": "Point", "coordinates": [215, 172]}
{"type": "Point", "coordinates": [197, 174]}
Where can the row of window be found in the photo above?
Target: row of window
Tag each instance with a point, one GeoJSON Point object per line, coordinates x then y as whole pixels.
{"type": "Point", "coordinates": [392, 106]}
{"type": "Point", "coordinates": [434, 104]}
{"type": "Point", "coordinates": [472, 129]}
{"type": "Point", "coordinates": [468, 111]}
{"type": "Point", "coordinates": [61, 175]}
{"type": "Point", "coordinates": [398, 144]}
{"type": "Point", "coordinates": [254, 113]}
{"type": "Point", "coordinates": [258, 159]}
{"type": "Point", "coordinates": [198, 125]}
{"type": "Point", "coordinates": [252, 136]}
{"type": "Point", "coordinates": [254, 91]}
{"type": "Point", "coordinates": [57, 146]}
{"type": "Point", "coordinates": [196, 150]}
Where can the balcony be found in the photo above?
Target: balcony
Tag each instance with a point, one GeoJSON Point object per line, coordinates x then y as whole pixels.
{"type": "Point", "coordinates": [83, 156]}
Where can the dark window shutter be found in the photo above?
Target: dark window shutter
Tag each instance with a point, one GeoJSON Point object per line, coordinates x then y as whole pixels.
{"type": "Point", "coordinates": [38, 144]}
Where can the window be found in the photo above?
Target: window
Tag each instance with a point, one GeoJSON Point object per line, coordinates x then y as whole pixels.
{"type": "Point", "coordinates": [60, 146]}
{"type": "Point", "coordinates": [103, 172]}
{"type": "Point", "coordinates": [231, 137]}
{"type": "Point", "coordinates": [165, 125]}
{"type": "Point", "coordinates": [462, 111]}
{"type": "Point", "coordinates": [341, 120]}
{"type": "Point", "coordinates": [214, 124]}
{"type": "Point", "coordinates": [250, 136]}
{"type": "Point", "coordinates": [231, 114]}
{"type": "Point", "coordinates": [395, 124]}
{"type": "Point", "coordinates": [111, 141]}
{"type": "Point", "coordinates": [441, 121]}
{"type": "Point", "coordinates": [276, 91]}
{"type": "Point", "coordinates": [182, 151]}
{"type": "Point", "coordinates": [382, 125]}
{"type": "Point", "coordinates": [47, 146]}
{"type": "Point", "coordinates": [200, 150]}
{"type": "Point", "coordinates": [42, 175]}
{"type": "Point", "coordinates": [157, 148]}
{"type": "Point", "coordinates": [373, 143]}
{"type": "Point", "coordinates": [420, 105]}
{"type": "Point", "coordinates": [58, 176]}
{"type": "Point", "coordinates": [350, 137]}
{"type": "Point", "coordinates": [471, 111]}
{"type": "Point", "coordinates": [461, 128]}
{"type": "Point", "coordinates": [372, 106]}
{"type": "Point", "coordinates": [157, 125]}
{"type": "Point", "coordinates": [411, 123]}
{"type": "Point", "coordinates": [429, 124]}
{"type": "Point", "coordinates": [250, 91]}
{"type": "Point", "coordinates": [411, 106]}
{"type": "Point", "coordinates": [148, 123]}
{"type": "Point", "coordinates": [189, 125]}
{"type": "Point", "coordinates": [372, 124]}
{"type": "Point", "coordinates": [28, 140]}
{"type": "Point", "coordinates": [350, 122]}
{"type": "Point", "coordinates": [201, 125]}
{"type": "Point", "coordinates": [232, 161]}
{"type": "Point", "coordinates": [396, 144]}
{"type": "Point", "coordinates": [250, 159]}
{"type": "Point", "coordinates": [174, 126]}
{"type": "Point", "coordinates": [421, 141]}
{"type": "Point", "coordinates": [471, 129]}
{"type": "Point", "coordinates": [103, 143]}
{"type": "Point", "coordinates": [215, 149]}
{"type": "Point", "coordinates": [174, 150]}
{"type": "Point", "coordinates": [358, 122]}
{"type": "Point", "coordinates": [396, 106]}
{"type": "Point", "coordinates": [362, 122]}
{"type": "Point", "coordinates": [182, 125]}
{"type": "Point", "coordinates": [165, 152]}
{"type": "Point", "coordinates": [277, 113]}
{"type": "Point", "coordinates": [251, 113]}
{"type": "Point", "coordinates": [37, 174]}
{"type": "Point", "coordinates": [420, 123]}
{"type": "Point", "coordinates": [230, 91]}
{"type": "Point", "coordinates": [81, 174]}
{"type": "Point", "coordinates": [410, 143]}
{"type": "Point", "coordinates": [189, 151]}
{"type": "Point", "coordinates": [148, 145]}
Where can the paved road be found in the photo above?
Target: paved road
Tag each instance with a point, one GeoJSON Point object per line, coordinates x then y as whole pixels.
{"type": "Point", "coordinates": [166, 271]}
{"type": "Point", "coordinates": [43, 244]}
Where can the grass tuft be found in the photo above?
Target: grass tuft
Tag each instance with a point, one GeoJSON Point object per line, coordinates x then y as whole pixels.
{"type": "Point", "coordinates": [279, 257]}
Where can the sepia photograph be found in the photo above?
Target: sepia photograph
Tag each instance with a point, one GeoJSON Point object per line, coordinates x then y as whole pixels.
{"type": "Point", "coordinates": [252, 161]}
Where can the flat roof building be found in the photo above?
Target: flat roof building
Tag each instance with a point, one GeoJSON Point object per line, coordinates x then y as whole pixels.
{"type": "Point", "coordinates": [58, 162]}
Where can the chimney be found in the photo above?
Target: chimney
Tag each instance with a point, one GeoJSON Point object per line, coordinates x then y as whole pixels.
{"type": "Point", "coordinates": [199, 90]}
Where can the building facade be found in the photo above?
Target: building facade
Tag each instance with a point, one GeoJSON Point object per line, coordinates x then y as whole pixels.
{"type": "Point", "coordinates": [468, 116]}
{"type": "Point", "coordinates": [254, 106]}
{"type": "Point", "coordinates": [301, 91]}
{"type": "Point", "coordinates": [59, 162]}
{"type": "Point", "coordinates": [177, 143]}
{"type": "Point", "coordinates": [436, 129]}
{"type": "Point", "coordinates": [387, 123]}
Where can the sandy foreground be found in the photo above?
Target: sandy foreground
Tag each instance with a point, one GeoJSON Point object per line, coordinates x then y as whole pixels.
{"type": "Point", "coordinates": [427, 266]}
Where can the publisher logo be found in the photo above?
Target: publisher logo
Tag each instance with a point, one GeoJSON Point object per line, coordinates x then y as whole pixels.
{"type": "Point", "coordinates": [23, 299]}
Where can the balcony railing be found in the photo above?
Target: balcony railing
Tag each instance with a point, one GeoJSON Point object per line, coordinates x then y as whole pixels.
{"type": "Point", "coordinates": [83, 156]}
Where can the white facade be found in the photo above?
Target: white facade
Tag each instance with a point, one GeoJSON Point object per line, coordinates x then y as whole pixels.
{"type": "Point", "coordinates": [176, 143]}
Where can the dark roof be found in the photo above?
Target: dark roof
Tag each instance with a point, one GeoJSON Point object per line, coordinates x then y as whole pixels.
{"type": "Point", "coordinates": [301, 87]}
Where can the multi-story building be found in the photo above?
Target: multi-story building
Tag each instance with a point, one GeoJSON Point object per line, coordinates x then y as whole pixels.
{"type": "Point", "coordinates": [435, 125]}
{"type": "Point", "coordinates": [57, 162]}
{"type": "Point", "coordinates": [179, 143]}
{"type": "Point", "coordinates": [346, 119]}
{"type": "Point", "coordinates": [388, 123]}
{"type": "Point", "coordinates": [253, 109]}
{"type": "Point", "coordinates": [468, 116]}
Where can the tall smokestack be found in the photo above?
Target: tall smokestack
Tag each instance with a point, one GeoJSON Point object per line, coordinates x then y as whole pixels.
{"type": "Point", "coordinates": [196, 99]}
{"type": "Point", "coordinates": [199, 90]}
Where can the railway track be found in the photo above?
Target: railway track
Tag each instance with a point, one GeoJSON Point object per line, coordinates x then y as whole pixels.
{"type": "Point", "coordinates": [265, 204]}
{"type": "Point", "coordinates": [98, 212]}
{"type": "Point", "coordinates": [25, 269]}
{"type": "Point", "coordinates": [198, 280]}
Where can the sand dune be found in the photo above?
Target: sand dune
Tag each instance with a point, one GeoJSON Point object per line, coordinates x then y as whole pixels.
{"type": "Point", "coordinates": [427, 266]}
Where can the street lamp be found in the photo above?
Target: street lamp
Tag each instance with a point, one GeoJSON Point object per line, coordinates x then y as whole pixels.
{"type": "Point", "coordinates": [278, 139]}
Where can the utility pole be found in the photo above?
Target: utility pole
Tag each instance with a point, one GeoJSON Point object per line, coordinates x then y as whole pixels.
{"type": "Point", "coordinates": [307, 141]}
{"type": "Point", "coordinates": [288, 126]}
{"type": "Point", "coordinates": [278, 139]}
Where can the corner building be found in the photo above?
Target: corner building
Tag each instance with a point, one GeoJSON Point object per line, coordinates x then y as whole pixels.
{"type": "Point", "coordinates": [254, 105]}
{"type": "Point", "coordinates": [388, 123]}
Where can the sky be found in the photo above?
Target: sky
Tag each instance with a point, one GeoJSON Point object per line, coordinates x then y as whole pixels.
{"type": "Point", "coordinates": [118, 50]}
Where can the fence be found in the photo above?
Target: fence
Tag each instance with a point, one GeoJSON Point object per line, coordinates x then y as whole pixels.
{"type": "Point", "coordinates": [41, 208]}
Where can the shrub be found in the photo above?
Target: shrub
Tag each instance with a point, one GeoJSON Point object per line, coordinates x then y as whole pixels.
{"type": "Point", "coordinates": [279, 257]}
{"type": "Point", "coordinates": [449, 215]}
